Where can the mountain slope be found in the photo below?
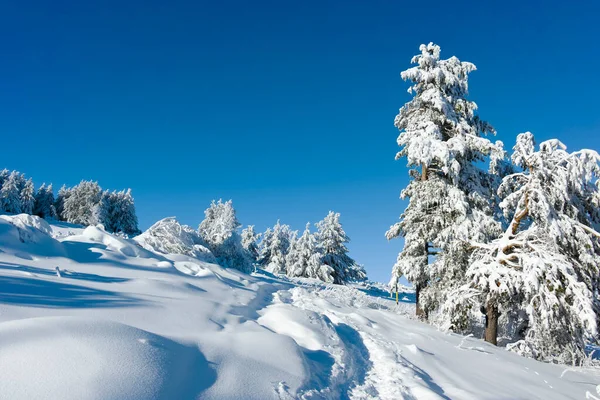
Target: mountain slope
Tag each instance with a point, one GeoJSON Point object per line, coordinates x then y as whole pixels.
{"type": "Point", "coordinates": [121, 322]}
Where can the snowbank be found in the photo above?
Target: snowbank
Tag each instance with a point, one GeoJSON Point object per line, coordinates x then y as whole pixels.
{"type": "Point", "coordinates": [74, 358]}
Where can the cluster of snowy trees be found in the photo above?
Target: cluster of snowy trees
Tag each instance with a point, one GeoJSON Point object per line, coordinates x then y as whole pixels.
{"type": "Point", "coordinates": [504, 244]}
{"type": "Point", "coordinates": [85, 204]}
{"type": "Point", "coordinates": [321, 255]}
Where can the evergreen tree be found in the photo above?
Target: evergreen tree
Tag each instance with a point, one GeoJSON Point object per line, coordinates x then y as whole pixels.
{"type": "Point", "coordinates": [543, 272]}
{"type": "Point", "coordinates": [44, 203]}
{"type": "Point", "coordinates": [10, 195]}
{"type": "Point", "coordinates": [82, 204]}
{"type": "Point", "coordinates": [275, 247]}
{"type": "Point", "coordinates": [120, 215]}
{"type": "Point", "coordinates": [63, 194]}
{"type": "Point", "coordinates": [264, 253]}
{"type": "Point", "coordinates": [331, 243]}
{"type": "Point", "coordinates": [27, 197]}
{"type": "Point", "coordinates": [304, 259]}
{"type": "Point", "coordinates": [219, 230]}
{"type": "Point", "coordinates": [449, 196]}
{"type": "Point", "coordinates": [4, 174]}
{"type": "Point", "coordinates": [250, 242]}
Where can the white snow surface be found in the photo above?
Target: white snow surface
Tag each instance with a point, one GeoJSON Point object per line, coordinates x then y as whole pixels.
{"type": "Point", "coordinates": [123, 322]}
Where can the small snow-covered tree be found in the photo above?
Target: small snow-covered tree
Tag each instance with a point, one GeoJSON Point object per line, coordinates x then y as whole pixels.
{"type": "Point", "coordinates": [219, 230]}
{"type": "Point", "coordinates": [44, 202]}
{"type": "Point", "coordinates": [331, 242]}
{"type": "Point", "coordinates": [4, 174]}
{"type": "Point", "coordinates": [441, 139]}
{"type": "Point", "coordinates": [10, 195]}
{"type": "Point", "coordinates": [304, 259]}
{"type": "Point", "coordinates": [27, 197]}
{"type": "Point", "coordinates": [275, 247]}
{"type": "Point", "coordinates": [250, 242]}
{"type": "Point", "coordinates": [81, 206]}
{"type": "Point", "coordinates": [59, 204]}
{"type": "Point", "coordinates": [120, 213]}
{"type": "Point", "coordinates": [545, 268]}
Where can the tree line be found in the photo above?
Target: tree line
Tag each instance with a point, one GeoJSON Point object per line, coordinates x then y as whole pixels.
{"type": "Point", "coordinates": [86, 203]}
{"type": "Point", "coordinates": [504, 245]}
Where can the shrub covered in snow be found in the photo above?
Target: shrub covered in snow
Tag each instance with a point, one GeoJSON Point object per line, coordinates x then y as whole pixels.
{"type": "Point", "coordinates": [168, 236]}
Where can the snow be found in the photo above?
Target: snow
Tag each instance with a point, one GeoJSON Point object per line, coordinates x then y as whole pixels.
{"type": "Point", "coordinates": [124, 322]}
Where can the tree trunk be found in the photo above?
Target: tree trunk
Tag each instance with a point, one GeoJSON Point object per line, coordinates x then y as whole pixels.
{"type": "Point", "coordinates": [420, 312]}
{"type": "Point", "coordinates": [491, 323]}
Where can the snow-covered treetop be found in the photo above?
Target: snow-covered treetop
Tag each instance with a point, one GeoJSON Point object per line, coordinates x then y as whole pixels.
{"type": "Point", "coordinates": [439, 124]}
{"type": "Point", "coordinates": [220, 221]}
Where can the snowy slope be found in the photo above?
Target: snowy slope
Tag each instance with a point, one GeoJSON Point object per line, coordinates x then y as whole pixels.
{"type": "Point", "coordinates": [123, 322]}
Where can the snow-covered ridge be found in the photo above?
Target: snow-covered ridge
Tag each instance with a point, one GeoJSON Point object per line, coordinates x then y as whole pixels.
{"type": "Point", "coordinates": [126, 322]}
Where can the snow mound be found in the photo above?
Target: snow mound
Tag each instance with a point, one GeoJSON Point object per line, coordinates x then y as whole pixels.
{"type": "Point", "coordinates": [113, 243]}
{"type": "Point", "coordinates": [168, 236]}
{"type": "Point", "coordinates": [74, 358]}
{"type": "Point", "coordinates": [30, 233]}
{"type": "Point", "coordinates": [199, 269]}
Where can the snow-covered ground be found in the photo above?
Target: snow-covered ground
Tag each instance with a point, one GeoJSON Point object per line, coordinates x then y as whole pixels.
{"type": "Point", "coordinates": [117, 321]}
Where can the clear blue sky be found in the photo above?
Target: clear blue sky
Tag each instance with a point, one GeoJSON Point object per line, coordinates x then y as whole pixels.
{"type": "Point", "coordinates": [286, 107]}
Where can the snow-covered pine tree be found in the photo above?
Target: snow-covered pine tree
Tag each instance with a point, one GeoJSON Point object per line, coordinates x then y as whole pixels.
{"type": "Point", "coordinates": [27, 197]}
{"type": "Point", "coordinates": [275, 247]}
{"type": "Point", "coordinates": [44, 202]}
{"type": "Point", "coordinates": [264, 252]}
{"type": "Point", "coordinates": [81, 205]}
{"type": "Point", "coordinates": [331, 243]}
{"type": "Point", "coordinates": [304, 259]}
{"type": "Point", "coordinates": [120, 213]}
{"type": "Point", "coordinates": [4, 174]}
{"type": "Point", "coordinates": [440, 137]}
{"type": "Point", "coordinates": [250, 242]}
{"type": "Point", "coordinates": [544, 271]}
{"type": "Point", "coordinates": [59, 205]}
{"type": "Point", "coordinates": [10, 195]}
{"type": "Point", "coordinates": [219, 230]}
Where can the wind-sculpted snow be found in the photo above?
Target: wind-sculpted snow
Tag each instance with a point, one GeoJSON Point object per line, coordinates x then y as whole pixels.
{"type": "Point", "coordinates": [107, 319]}
{"type": "Point", "coordinates": [74, 358]}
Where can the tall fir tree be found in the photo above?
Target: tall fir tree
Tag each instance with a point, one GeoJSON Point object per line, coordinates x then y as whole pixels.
{"type": "Point", "coordinates": [441, 139]}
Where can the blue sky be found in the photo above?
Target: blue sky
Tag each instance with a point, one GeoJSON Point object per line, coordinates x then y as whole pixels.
{"type": "Point", "coordinates": [286, 107]}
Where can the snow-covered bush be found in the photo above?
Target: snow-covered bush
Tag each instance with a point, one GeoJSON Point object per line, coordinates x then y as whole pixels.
{"type": "Point", "coordinates": [168, 236]}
